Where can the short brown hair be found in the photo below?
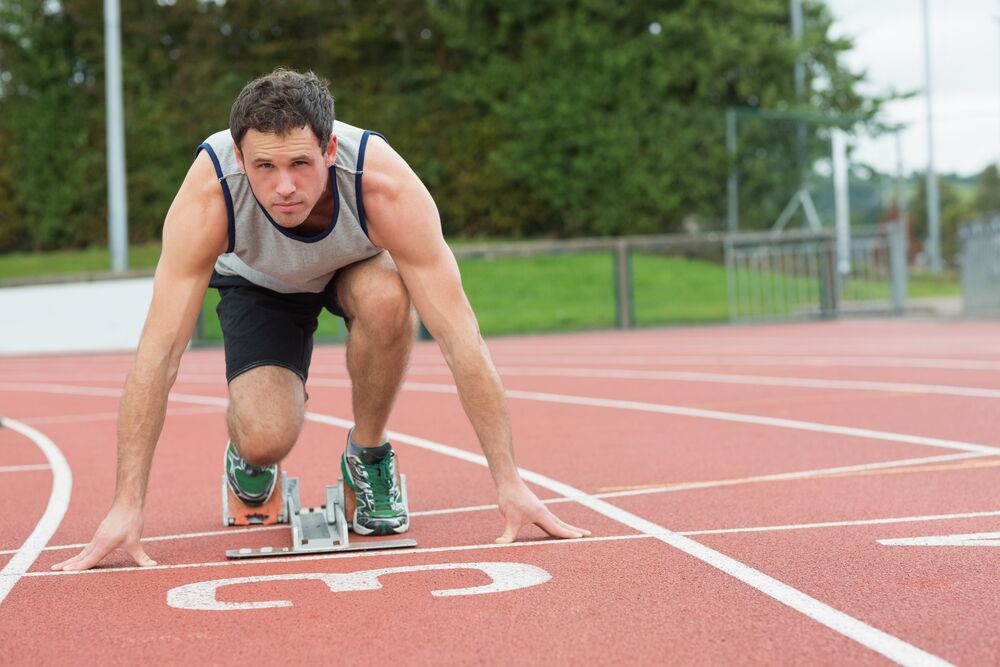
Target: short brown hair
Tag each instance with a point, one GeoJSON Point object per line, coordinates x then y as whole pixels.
{"type": "Point", "coordinates": [283, 101]}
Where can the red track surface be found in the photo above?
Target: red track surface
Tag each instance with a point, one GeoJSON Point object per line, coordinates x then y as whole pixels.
{"type": "Point", "coordinates": [667, 432]}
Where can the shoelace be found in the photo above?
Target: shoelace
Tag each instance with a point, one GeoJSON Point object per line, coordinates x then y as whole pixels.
{"type": "Point", "coordinates": [379, 492]}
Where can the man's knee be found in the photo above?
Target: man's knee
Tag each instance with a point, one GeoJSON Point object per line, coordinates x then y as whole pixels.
{"type": "Point", "coordinates": [266, 412]}
{"type": "Point", "coordinates": [263, 440]}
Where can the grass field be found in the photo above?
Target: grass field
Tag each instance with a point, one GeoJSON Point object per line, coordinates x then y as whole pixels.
{"type": "Point", "coordinates": [532, 294]}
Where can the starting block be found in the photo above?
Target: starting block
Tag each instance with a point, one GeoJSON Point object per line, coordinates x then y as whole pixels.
{"type": "Point", "coordinates": [314, 529]}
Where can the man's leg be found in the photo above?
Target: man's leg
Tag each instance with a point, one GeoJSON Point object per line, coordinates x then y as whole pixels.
{"type": "Point", "coordinates": [381, 332]}
{"type": "Point", "coordinates": [377, 308]}
{"type": "Point", "coordinates": [266, 411]}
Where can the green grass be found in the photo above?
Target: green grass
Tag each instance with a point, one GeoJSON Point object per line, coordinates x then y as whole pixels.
{"type": "Point", "coordinates": [673, 290]}
{"type": "Point", "coordinates": [544, 293]}
{"type": "Point", "coordinates": [946, 283]}
{"type": "Point", "coordinates": [26, 265]}
{"type": "Point", "coordinates": [550, 293]}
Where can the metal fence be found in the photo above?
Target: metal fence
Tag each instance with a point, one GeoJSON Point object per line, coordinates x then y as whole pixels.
{"type": "Point", "coordinates": [980, 265]}
{"type": "Point", "coordinates": [799, 275]}
{"type": "Point", "coordinates": [670, 279]}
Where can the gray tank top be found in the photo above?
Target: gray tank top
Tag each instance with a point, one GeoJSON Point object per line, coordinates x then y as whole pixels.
{"type": "Point", "coordinates": [271, 256]}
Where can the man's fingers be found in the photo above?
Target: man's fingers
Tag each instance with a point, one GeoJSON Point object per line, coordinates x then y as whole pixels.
{"type": "Point", "coordinates": [85, 562]}
{"type": "Point", "coordinates": [83, 554]}
{"type": "Point", "coordinates": [509, 533]}
{"type": "Point", "coordinates": [556, 527]}
{"type": "Point", "coordinates": [139, 555]}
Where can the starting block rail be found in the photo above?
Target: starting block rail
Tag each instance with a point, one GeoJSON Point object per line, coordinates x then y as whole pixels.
{"type": "Point", "coordinates": [314, 530]}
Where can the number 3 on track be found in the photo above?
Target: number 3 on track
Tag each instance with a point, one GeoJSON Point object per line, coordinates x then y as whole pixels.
{"type": "Point", "coordinates": [201, 595]}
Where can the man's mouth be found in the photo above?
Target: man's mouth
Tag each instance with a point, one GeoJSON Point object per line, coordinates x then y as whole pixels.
{"type": "Point", "coordinates": [287, 206]}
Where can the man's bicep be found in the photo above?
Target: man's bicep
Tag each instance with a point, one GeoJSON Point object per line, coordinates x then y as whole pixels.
{"type": "Point", "coordinates": [195, 232]}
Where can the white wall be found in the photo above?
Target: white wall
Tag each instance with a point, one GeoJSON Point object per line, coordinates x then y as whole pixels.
{"type": "Point", "coordinates": [106, 315]}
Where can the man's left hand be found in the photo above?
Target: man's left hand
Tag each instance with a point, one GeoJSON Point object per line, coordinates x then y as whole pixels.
{"type": "Point", "coordinates": [519, 507]}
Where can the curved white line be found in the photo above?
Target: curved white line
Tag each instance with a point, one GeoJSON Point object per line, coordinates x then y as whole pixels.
{"type": "Point", "coordinates": [62, 486]}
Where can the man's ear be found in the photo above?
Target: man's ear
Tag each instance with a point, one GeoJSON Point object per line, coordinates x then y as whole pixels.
{"type": "Point", "coordinates": [331, 150]}
{"type": "Point", "coordinates": [239, 158]}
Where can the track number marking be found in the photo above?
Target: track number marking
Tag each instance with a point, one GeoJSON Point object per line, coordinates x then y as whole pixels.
{"type": "Point", "coordinates": [201, 595]}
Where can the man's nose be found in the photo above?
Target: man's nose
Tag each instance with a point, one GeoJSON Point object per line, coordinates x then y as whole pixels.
{"type": "Point", "coordinates": [286, 184]}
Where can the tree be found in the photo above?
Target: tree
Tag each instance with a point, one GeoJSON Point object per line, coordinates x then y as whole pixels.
{"type": "Point", "coordinates": [953, 214]}
{"type": "Point", "coordinates": [987, 198]}
{"type": "Point", "coordinates": [554, 117]}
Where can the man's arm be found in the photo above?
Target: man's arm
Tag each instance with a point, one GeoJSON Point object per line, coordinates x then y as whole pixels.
{"type": "Point", "coordinates": [403, 219]}
{"type": "Point", "coordinates": [194, 234]}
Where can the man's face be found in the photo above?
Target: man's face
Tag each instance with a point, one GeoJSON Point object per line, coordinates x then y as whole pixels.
{"type": "Point", "coordinates": [288, 173]}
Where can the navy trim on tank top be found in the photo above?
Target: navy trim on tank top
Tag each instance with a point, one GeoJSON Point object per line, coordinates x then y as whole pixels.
{"type": "Point", "coordinates": [360, 172]}
{"type": "Point", "coordinates": [332, 174]}
{"type": "Point", "coordinates": [225, 193]}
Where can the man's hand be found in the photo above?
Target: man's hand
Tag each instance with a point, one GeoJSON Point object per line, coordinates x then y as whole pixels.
{"type": "Point", "coordinates": [121, 529]}
{"type": "Point", "coordinates": [519, 506]}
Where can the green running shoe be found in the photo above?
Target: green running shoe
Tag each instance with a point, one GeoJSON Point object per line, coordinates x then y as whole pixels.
{"type": "Point", "coordinates": [379, 509]}
{"type": "Point", "coordinates": [251, 484]}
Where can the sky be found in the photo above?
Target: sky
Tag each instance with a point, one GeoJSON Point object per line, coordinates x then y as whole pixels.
{"type": "Point", "coordinates": [965, 78]}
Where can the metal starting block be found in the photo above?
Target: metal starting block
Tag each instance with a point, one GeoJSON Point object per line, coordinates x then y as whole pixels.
{"type": "Point", "coordinates": [314, 529]}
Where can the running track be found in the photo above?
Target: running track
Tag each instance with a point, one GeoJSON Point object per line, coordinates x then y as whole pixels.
{"type": "Point", "coordinates": [800, 494]}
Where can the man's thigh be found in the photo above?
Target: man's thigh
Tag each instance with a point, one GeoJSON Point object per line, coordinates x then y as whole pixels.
{"type": "Point", "coordinates": [369, 285]}
{"type": "Point", "coordinates": [266, 411]}
{"type": "Point", "coordinates": [264, 328]}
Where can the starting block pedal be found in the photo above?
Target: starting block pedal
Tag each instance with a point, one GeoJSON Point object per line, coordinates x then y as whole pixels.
{"type": "Point", "coordinates": [314, 529]}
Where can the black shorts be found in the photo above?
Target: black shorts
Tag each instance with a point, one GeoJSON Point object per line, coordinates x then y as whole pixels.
{"type": "Point", "coordinates": [261, 327]}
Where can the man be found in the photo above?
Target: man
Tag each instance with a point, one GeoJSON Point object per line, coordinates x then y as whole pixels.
{"type": "Point", "coordinates": [305, 218]}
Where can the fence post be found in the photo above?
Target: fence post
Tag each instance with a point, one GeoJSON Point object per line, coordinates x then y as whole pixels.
{"type": "Point", "coordinates": [624, 310]}
{"type": "Point", "coordinates": [829, 282]}
{"type": "Point", "coordinates": [897, 265]}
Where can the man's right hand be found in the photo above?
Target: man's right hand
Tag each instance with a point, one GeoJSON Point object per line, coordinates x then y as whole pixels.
{"type": "Point", "coordinates": [121, 529]}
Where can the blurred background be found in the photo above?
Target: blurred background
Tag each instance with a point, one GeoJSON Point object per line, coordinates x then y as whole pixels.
{"type": "Point", "coordinates": [596, 163]}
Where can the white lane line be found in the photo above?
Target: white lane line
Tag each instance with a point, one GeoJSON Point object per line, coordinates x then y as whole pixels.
{"type": "Point", "coordinates": [790, 476]}
{"type": "Point", "coordinates": [967, 540]}
{"type": "Point", "coordinates": [679, 376]}
{"type": "Point", "coordinates": [883, 643]}
{"type": "Point", "coordinates": [254, 529]}
{"type": "Point", "coordinates": [107, 416]}
{"type": "Point", "coordinates": [843, 524]}
{"type": "Point", "coordinates": [351, 554]}
{"type": "Point", "coordinates": [26, 468]}
{"type": "Point", "coordinates": [737, 417]}
{"type": "Point", "coordinates": [731, 378]}
{"type": "Point", "coordinates": [715, 531]}
{"type": "Point", "coordinates": [657, 408]}
{"type": "Point", "coordinates": [62, 486]}
{"type": "Point", "coordinates": [646, 361]}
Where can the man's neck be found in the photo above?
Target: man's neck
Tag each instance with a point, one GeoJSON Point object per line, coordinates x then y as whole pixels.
{"type": "Point", "coordinates": [320, 216]}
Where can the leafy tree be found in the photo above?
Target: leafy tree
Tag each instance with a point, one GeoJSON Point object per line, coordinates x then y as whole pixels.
{"type": "Point", "coordinates": [554, 117]}
{"type": "Point", "coordinates": [953, 214]}
{"type": "Point", "coordinates": [987, 198]}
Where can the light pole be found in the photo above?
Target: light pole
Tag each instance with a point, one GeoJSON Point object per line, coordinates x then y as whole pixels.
{"type": "Point", "coordinates": [117, 202]}
{"type": "Point", "coordinates": [933, 201]}
{"type": "Point", "coordinates": [997, 19]}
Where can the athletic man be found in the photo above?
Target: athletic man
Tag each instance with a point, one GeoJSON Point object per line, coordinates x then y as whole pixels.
{"type": "Point", "coordinates": [305, 218]}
